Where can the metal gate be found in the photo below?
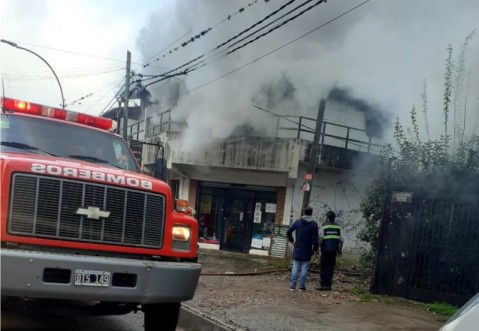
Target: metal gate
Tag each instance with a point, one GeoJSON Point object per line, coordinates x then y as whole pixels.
{"type": "Point", "coordinates": [428, 246]}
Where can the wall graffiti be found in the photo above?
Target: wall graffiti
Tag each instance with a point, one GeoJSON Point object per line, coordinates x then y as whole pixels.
{"type": "Point", "coordinates": [343, 196]}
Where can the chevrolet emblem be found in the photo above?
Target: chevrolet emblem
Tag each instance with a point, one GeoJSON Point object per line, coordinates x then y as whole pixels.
{"type": "Point", "coordinates": [93, 212]}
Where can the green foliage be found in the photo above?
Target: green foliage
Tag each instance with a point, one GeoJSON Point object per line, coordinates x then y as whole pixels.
{"type": "Point", "coordinates": [441, 309]}
{"type": "Point", "coordinates": [360, 292]}
{"type": "Point", "coordinates": [433, 164]}
{"type": "Point", "coordinates": [278, 264]}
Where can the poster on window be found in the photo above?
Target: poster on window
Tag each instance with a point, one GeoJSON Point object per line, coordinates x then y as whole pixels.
{"type": "Point", "coordinates": [257, 216]}
{"type": "Point", "coordinates": [270, 208]}
{"type": "Point", "coordinates": [266, 242]}
{"type": "Point", "coordinates": [257, 243]}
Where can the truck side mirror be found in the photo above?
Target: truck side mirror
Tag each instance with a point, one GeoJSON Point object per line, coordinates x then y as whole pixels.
{"type": "Point", "coordinates": [160, 169]}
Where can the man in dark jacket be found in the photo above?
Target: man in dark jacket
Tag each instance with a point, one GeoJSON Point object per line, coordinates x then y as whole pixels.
{"type": "Point", "coordinates": [331, 242]}
{"type": "Point", "coordinates": [306, 243]}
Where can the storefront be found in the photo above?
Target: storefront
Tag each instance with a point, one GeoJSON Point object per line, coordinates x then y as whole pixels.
{"type": "Point", "coordinates": [236, 217]}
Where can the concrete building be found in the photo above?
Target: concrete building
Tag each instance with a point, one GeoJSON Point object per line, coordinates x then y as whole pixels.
{"type": "Point", "coordinates": [247, 190]}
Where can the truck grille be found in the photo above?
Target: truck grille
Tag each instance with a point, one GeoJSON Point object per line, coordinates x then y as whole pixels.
{"type": "Point", "coordinates": [46, 207]}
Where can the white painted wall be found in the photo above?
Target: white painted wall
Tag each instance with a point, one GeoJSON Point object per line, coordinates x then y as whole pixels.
{"type": "Point", "coordinates": [340, 191]}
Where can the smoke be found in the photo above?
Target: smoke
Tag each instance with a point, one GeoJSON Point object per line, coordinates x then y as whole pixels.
{"type": "Point", "coordinates": [277, 94]}
{"type": "Point", "coordinates": [382, 52]}
{"type": "Point", "coordinates": [377, 120]}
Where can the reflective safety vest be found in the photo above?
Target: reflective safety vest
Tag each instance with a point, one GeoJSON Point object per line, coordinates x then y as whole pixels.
{"type": "Point", "coordinates": [331, 237]}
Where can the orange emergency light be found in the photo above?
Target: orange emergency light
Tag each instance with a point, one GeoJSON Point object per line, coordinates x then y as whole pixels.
{"type": "Point", "coordinates": [30, 108]}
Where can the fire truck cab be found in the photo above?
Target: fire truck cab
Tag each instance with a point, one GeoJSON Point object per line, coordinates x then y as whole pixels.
{"type": "Point", "coordinates": [82, 227]}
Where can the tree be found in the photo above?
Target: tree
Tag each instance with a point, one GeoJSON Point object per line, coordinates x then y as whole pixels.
{"type": "Point", "coordinates": [448, 163]}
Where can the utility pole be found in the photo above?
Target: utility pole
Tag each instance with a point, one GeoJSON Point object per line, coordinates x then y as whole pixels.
{"type": "Point", "coordinates": [126, 95]}
{"type": "Point", "coordinates": [315, 151]}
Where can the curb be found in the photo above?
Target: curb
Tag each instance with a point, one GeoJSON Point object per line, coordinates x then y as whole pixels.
{"type": "Point", "coordinates": [212, 319]}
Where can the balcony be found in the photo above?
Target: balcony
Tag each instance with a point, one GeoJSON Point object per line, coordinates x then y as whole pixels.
{"type": "Point", "coordinates": [342, 146]}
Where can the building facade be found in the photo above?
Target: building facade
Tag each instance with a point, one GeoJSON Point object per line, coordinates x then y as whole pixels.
{"type": "Point", "coordinates": [247, 190]}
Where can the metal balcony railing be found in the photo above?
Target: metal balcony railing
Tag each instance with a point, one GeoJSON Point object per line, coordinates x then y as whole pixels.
{"type": "Point", "coordinates": [331, 134]}
{"type": "Point", "coordinates": [294, 127]}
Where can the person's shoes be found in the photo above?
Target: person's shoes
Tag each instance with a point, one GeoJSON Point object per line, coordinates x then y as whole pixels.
{"type": "Point", "coordinates": [292, 288]}
{"type": "Point", "coordinates": [324, 288]}
{"type": "Point", "coordinates": [302, 289]}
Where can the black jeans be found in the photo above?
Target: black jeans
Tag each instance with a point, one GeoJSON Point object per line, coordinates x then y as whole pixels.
{"type": "Point", "coordinates": [326, 267]}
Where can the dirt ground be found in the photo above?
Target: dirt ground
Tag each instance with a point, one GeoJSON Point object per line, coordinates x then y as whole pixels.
{"type": "Point", "coordinates": [265, 302]}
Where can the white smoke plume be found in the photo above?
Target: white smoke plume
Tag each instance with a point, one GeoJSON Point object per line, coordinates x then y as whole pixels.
{"type": "Point", "coordinates": [381, 52]}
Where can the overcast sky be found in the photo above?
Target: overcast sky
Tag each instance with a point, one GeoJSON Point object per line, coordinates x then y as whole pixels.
{"type": "Point", "coordinates": [382, 52]}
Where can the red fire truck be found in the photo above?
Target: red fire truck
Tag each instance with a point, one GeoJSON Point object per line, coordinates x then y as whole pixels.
{"type": "Point", "coordinates": [82, 227]}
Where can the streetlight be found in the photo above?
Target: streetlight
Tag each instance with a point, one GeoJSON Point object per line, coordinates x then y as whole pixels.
{"type": "Point", "coordinates": [15, 45]}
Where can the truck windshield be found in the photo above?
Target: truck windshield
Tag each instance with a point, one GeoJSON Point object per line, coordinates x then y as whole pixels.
{"type": "Point", "coordinates": [22, 134]}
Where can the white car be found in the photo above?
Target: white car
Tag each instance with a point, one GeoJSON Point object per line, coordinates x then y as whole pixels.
{"type": "Point", "coordinates": [466, 318]}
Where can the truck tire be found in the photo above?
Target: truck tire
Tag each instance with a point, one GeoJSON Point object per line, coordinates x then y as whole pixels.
{"type": "Point", "coordinates": [161, 316]}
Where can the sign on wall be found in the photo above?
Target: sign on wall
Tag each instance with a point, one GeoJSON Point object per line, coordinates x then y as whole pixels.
{"type": "Point", "coordinates": [270, 208]}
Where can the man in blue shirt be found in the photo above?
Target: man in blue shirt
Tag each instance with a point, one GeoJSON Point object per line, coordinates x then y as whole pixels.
{"type": "Point", "coordinates": [306, 243]}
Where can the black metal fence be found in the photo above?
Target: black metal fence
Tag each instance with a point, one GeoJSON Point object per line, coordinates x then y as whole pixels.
{"type": "Point", "coordinates": [428, 247]}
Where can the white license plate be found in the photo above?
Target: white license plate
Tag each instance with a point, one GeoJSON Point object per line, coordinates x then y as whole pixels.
{"type": "Point", "coordinates": [92, 278]}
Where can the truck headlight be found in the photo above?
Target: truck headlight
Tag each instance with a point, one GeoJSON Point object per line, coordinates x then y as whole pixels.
{"type": "Point", "coordinates": [181, 233]}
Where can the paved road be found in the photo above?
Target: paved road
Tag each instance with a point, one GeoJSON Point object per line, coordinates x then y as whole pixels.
{"type": "Point", "coordinates": [130, 322]}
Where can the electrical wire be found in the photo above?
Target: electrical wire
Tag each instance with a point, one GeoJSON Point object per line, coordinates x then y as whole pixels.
{"type": "Point", "coordinates": [277, 26]}
{"type": "Point", "coordinates": [274, 21]}
{"type": "Point", "coordinates": [157, 59]}
{"type": "Point", "coordinates": [118, 93]}
{"type": "Point", "coordinates": [273, 51]}
{"type": "Point", "coordinates": [71, 52]}
{"type": "Point", "coordinates": [271, 30]}
{"type": "Point", "coordinates": [64, 76]}
{"type": "Point", "coordinates": [224, 43]}
{"type": "Point", "coordinates": [162, 76]}
{"type": "Point", "coordinates": [72, 71]}
{"type": "Point", "coordinates": [200, 34]}
{"type": "Point", "coordinates": [256, 24]}
{"type": "Point", "coordinates": [283, 117]}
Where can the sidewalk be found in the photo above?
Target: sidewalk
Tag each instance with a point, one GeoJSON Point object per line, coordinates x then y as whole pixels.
{"type": "Point", "coordinates": [264, 302]}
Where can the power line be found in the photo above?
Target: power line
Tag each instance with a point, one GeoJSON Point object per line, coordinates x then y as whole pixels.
{"type": "Point", "coordinates": [256, 24]}
{"type": "Point", "coordinates": [70, 71]}
{"type": "Point", "coordinates": [203, 61]}
{"type": "Point", "coordinates": [174, 42]}
{"type": "Point", "coordinates": [165, 75]}
{"type": "Point", "coordinates": [283, 117]}
{"type": "Point", "coordinates": [71, 52]}
{"type": "Point", "coordinates": [224, 43]}
{"type": "Point", "coordinates": [277, 26]}
{"type": "Point", "coordinates": [64, 76]}
{"type": "Point", "coordinates": [120, 90]}
{"type": "Point", "coordinates": [273, 51]}
{"type": "Point", "coordinates": [203, 32]}
{"type": "Point", "coordinates": [274, 21]}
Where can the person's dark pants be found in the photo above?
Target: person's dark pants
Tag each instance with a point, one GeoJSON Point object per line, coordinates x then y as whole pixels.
{"type": "Point", "coordinates": [326, 268]}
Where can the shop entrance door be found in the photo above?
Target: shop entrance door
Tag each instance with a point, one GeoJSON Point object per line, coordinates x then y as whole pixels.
{"type": "Point", "coordinates": [238, 221]}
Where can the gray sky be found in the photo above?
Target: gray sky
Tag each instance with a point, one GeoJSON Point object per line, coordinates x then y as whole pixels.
{"type": "Point", "coordinates": [383, 52]}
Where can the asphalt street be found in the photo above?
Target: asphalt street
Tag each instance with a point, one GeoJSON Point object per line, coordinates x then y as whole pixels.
{"type": "Point", "coordinates": [129, 322]}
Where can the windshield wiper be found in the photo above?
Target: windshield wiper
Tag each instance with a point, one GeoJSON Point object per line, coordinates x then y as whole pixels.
{"type": "Point", "coordinates": [93, 159]}
{"type": "Point", "coordinates": [18, 145]}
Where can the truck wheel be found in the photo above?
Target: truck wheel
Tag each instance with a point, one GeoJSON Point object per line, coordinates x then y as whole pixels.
{"type": "Point", "coordinates": [161, 316]}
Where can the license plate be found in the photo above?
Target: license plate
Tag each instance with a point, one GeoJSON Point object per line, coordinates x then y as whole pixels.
{"type": "Point", "coordinates": [92, 278]}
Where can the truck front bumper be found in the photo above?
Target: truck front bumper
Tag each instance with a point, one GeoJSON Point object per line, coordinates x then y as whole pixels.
{"type": "Point", "coordinates": [29, 274]}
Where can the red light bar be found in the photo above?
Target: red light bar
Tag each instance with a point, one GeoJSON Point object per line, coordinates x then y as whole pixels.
{"type": "Point", "coordinates": [61, 114]}
{"type": "Point", "coordinates": [22, 106]}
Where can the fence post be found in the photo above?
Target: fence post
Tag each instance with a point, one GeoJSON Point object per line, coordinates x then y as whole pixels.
{"type": "Point", "coordinates": [386, 196]}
